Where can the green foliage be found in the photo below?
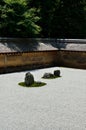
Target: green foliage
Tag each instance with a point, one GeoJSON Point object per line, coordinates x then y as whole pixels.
{"type": "Point", "coordinates": [70, 19]}
{"type": "Point", "coordinates": [50, 18]}
{"type": "Point", "coordinates": [18, 20]}
{"type": "Point", "coordinates": [64, 19]}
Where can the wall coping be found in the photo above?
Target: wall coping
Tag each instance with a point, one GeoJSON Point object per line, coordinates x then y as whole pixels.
{"type": "Point", "coordinates": [47, 39]}
{"type": "Point", "coordinates": [40, 44]}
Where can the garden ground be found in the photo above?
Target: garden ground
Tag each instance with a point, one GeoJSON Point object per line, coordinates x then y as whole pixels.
{"type": "Point", "coordinates": [59, 105]}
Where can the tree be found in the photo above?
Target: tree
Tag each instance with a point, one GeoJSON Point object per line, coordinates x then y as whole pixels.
{"type": "Point", "coordinates": [50, 18]}
{"type": "Point", "coordinates": [61, 18]}
{"type": "Point", "coordinates": [17, 20]}
{"type": "Point", "coordinates": [69, 19]}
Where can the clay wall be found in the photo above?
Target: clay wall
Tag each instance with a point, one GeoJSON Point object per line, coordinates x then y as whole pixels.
{"type": "Point", "coordinates": [73, 59]}
{"type": "Point", "coordinates": [28, 60]}
{"type": "Point", "coordinates": [10, 62]}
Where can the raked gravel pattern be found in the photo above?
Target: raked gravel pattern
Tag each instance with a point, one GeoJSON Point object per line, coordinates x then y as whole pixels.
{"type": "Point", "coordinates": [60, 105]}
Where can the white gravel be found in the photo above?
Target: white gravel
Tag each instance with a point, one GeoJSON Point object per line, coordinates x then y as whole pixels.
{"type": "Point", "coordinates": [60, 105]}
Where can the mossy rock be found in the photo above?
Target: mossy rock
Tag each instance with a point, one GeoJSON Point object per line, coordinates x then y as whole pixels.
{"type": "Point", "coordinates": [57, 73]}
{"type": "Point", "coordinates": [29, 79]}
{"type": "Point", "coordinates": [49, 76]}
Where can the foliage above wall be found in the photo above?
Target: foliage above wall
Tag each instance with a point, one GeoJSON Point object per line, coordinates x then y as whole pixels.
{"type": "Point", "coordinates": [50, 18]}
{"type": "Point", "coordinates": [17, 19]}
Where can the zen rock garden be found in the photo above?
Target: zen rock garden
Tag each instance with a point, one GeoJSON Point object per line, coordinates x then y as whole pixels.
{"type": "Point", "coordinates": [30, 82]}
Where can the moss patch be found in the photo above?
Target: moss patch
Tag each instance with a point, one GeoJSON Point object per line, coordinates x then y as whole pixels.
{"type": "Point", "coordinates": [35, 84]}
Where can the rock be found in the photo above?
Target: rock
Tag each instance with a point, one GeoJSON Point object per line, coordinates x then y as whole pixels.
{"type": "Point", "coordinates": [29, 79]}
{"type": "Point", "coordinates": [57, 73]}
{"type": "Point", "coordinates": [48, 75]}
{"type": "Point", "coordinates": [38, 82]}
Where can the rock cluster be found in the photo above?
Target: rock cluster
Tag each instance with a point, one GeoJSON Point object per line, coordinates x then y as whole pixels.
{"type": "Point", "coordinates": [50, 75]}
{"type": "Point", "coordinates": [29, 78]}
